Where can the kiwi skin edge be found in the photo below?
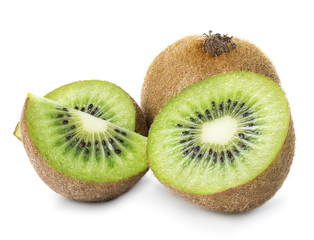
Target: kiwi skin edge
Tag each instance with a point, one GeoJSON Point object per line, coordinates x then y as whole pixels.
{"type": "Point", "coordinates": [69, 187]}
{"type": "Point", "coordinates": [248, 196]}
{"type": "Point", "coordinates": [184, 62]}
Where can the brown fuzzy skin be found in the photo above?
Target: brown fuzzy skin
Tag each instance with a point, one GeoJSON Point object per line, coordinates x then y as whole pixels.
{"type": "Point", "coordinates": [69, 187]}
{"type": "Point", "coordinates": [253, 194]}
{"type": "Point", "coordinates": [184, 62]}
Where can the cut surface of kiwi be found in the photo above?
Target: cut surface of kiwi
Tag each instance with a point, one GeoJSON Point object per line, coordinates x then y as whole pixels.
{"type": "Point", "coordinates": [81, 145]}
{"type": "Point", "coordinates": [218, 134]}
{"type": "Point", "coordinates": [101, 99]}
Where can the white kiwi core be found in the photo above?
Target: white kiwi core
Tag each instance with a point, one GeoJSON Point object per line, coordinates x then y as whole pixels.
{"type": "Point", "coordinates": [219, 131]}
{"type": "Point", "coordinates": [92, 124]}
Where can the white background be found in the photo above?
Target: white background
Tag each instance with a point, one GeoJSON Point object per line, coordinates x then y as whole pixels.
{"type": "Point", "coordinates": [46, 44]}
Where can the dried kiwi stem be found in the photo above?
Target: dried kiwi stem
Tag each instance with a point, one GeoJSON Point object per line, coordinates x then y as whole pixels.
{"type": "Point", "coordinates": [216, 44]}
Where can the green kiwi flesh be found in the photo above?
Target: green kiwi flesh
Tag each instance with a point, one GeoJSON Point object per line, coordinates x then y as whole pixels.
{"type": "Point", "coordinates": [101, 99]}
{"type": "Point", "coordinates": [221, 133]}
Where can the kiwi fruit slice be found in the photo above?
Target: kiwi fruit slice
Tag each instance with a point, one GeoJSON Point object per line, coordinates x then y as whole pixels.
{"type": "Point", "coordinates": [225, 143]}
{"type": "Point", "coordinates": [101, 99]}
{"type": "Point", "coordinates": [78, 154]}
{"type": "Point", "coordinates": [194, 58]}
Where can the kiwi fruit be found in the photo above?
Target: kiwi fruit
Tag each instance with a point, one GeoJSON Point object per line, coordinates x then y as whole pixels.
{"type": "Point", "coordinates": [194, 58]}
{"type": "Point", "coordinates": [107, 96]}
{"type": "Point", "coordinates": [83, 146]}
{"type": "Point", "coordinates": [225, 143]}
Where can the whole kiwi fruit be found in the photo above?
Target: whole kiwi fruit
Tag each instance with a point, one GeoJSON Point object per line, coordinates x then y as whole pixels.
{"type": "Point", "coordinates": [194, 58]}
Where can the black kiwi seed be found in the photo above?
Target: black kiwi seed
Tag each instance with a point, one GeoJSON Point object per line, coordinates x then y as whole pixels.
{"type": "Point", "coordinates": [210, 151]}
{"type": "Point", "coordinates": [193, 156]}
{"type": "Point", "coordinates": [186, 152]}
{"type": "Point", "coordinates": [179, 125]}
{"type": "Point", "coordinates": [68, 137]}
{"type": "Point", "coordinates": [229, 154]}
{"type": "Point", "coordinates": [242, 104]}
{"type": "Point", "coordinates": [221, 106]}
{"type": "Point", "coordinates": [118, 151]}
{"type": "Point", "coordinates": [82, 144]}
{"type": "Point", "coordinates": [90, 106]}
{"type": "Point", "coordinates": [96, 142]}
{"type": "Point", "coordinates": [83, 109]}
{"type": "Point", "coordinates": [192, 119]}
{"type": "Point", "coordinates": [89, 144]}
{"type": "Point", "coordinates": [94, 111]}
{"type": "Point", "coordinates": [207, 111]}
{"type": "Point", "coordinates": [245, 114]}
{"type": "Point", "coordinates": [110, 140]}
{"type": "Point", "coordinates": [215, 156]}
{"type": "Point", "coordinates": [241, 135]}
{"type": "Point", "coordinates": [108, 153]}
{"type": "Point", "coordinates": [73, 126]}
{"type": "Point", "coordinates": [185, 132]}
{"type": "Point", "coordinates": [123, 133]}
{"type": "Point", "coordinates": [222, 157]}
{"type": "Point", "coordinates": [200, 116]}
{"type": "Point", "coordinates": [65, 122]}
{"type": "Point", "coordinates": [103, 142]}
{"type": "Point", "coordinates": [213, 103]}
{"type": "Point", "coordinates": [117, 130]}
{"type": "Point", "coordinates": [65, 109]}
{"type": "Point", "coordinates": [60, 116]}
{"type": "Point", "coordinates": [250, 124]}
{"type": "Point", "coordinates": [200, 156]}
{"type": "Point", "coordinates": [76, 107]}
{"type": "Point", "coordinates": [235, 103]}
{"type": "Point", "coordinates": [86, 151]}
{"type": "Point", "coordinates": [182, 141]}
{"type": "Point", "coordinates": [242, 145]}
{"type": "Point", "coordinates": [229, 101]}
{"type": "Point", "coordinates": [197, 149]}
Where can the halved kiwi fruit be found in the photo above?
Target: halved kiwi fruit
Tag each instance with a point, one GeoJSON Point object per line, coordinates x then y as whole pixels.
{"type": "Point", "coordinates": [77, 152]}
{"type": "Point", "coordinates": [225, 143]}
{"type": "Point", "coordinates": [101, 99]}
{"type": "Point", "coordinates": [194, 58]}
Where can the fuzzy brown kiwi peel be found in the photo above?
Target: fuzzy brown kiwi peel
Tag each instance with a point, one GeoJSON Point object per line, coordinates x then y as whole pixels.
{"type": "Point", "coordinates": [194, 58]}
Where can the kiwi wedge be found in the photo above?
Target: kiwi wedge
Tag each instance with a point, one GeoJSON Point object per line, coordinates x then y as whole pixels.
{"type": "Point", "coordinates": [79, 155]}
{"type": "Point", "coordinates": [194, 58]}
{"type": "Point", "coordinates": [225, 143]}
{"type": "Point", "coordinates": [101, 99]}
